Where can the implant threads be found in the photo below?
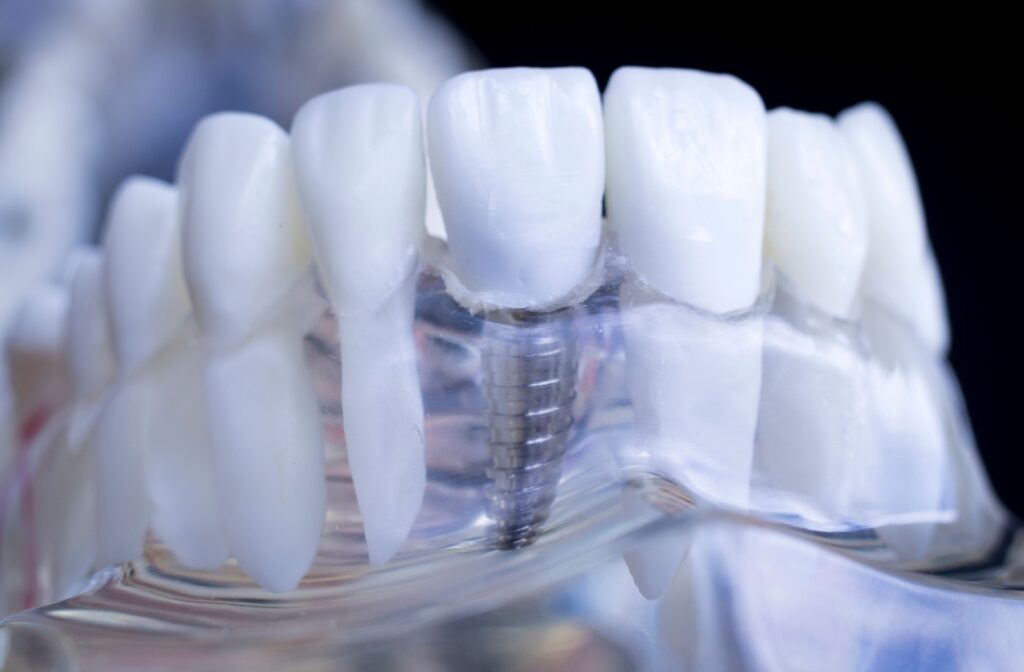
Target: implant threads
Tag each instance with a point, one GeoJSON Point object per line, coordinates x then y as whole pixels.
{"type": "Point", "coordinates": [529, 365]}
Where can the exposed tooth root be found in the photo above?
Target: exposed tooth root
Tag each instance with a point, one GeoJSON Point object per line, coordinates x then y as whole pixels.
{"type": "Point", "coordinates": [530, 366]}
{"type": "Point", "coordinates": [360, 166]}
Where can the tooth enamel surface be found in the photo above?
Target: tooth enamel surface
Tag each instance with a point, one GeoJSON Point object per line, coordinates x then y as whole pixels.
{"type": "Point", "coordinates": [686, 182]}
{"type": "Point", "coordinates": [518, 162]}
{"type": "Point", "coordinates": [815, 227]}
{"type": "Point", "coordinates": [360, 166]}
{"type": "Point", "coordinates": [900, 270]}
{"type": "Point", "coordinates": [90, 353]}
{"type": "Point", "coordinates": [159, 367]}
{"type": "Point", "coordinates": [245, 252]}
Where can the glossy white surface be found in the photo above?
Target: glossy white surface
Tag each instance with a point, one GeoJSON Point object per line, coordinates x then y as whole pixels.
{"type": "Point", "coordinates": [518, 161]}
{"type": "Point", "coordinates": [686, 182]}
{"type": "Point", "coordinates": [815, 228]}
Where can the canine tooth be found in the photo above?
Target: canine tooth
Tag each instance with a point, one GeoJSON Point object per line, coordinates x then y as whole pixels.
{"type": "Point", "coordinates": [245, 252]}
{"type": "Point", "coordinates": [518, 163]}
{"type": "Point", "coordinates": [360, 167]}
{"type": "Point", "coordinates": [900, 271]}
{"type": "Point", "coordinates": [160, 369]}
{"type": "Point", "coordinates": [686, 182]}
{"type": "Point", "coordinates": [815, 227]}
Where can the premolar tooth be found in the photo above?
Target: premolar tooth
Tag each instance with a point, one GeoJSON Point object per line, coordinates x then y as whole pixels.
{"type": "Point", "coordinates": [815, 229]}
{"type": "Point", "coordinates": [900, 271]}
{"type": "Point", "coordinates": [518, 165]}
{"type": "Point", "coordinates": [245, 252]}
{"type": "Point", "coordinates": [359, 159]}
{"type": "Point", "coordinates": [686, 182]}
{"type": "Point", "coordinates": [159, 365]}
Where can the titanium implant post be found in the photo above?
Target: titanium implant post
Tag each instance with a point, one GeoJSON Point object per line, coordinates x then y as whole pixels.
{"type": "Point", "coordinates": [530, 365]}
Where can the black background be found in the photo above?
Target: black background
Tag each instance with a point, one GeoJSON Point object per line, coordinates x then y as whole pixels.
{"type": "Point", "coordinates": [952, 90]}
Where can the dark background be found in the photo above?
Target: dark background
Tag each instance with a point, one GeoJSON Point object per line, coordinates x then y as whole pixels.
{"type": "Point", "coordinates": [952, 91]}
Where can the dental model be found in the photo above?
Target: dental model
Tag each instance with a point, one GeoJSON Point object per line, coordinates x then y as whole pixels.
{"type": "Point", "coordinates": [900, 270]}
{"type": "Point", "coordinates": [246, 263]}
{"type": "Point", "coordinates": [518, 162]}
{"type": "Point", "coordinates": [360, 166]}
{"type": "Point", "coordinates": [811, 420]}
{"type": "Point", "coordinates": [158, 373]}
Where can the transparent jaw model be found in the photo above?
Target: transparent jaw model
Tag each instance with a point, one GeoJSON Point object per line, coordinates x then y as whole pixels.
{"type": "Point", "coordinates": [655, 553]}
{"type": "Point", "coordinates": [622, 480]}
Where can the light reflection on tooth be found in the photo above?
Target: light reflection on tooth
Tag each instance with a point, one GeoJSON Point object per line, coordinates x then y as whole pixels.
{"type": "Point", "coordinates": [360, 167]}
{"type": "Point", "coordinates": [160, 369]}
{"type": "Point", "coordinates": [246, 265]}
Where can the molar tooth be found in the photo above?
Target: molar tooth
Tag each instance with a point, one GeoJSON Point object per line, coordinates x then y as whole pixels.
{"type": "Point", "coordinates": [900, 271]}
{"type": "Point", "coordinates": [686, 182]}
{"type": "Point", "coordinates": [159, 365]}
{"type": "Point", "coordinates": [686, 191]}
{"type": "Point", "coordinates": [815, 227]}
{"type": "Point", "coordinates": [518, 163]}
{"type": "Point", "coordinates": [360, 166]}
{"type": "Point", "coordinates": [245, 253]}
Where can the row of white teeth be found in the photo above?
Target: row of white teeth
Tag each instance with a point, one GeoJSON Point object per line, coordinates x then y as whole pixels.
{"type": "Point", "coordinates": [215, 443]}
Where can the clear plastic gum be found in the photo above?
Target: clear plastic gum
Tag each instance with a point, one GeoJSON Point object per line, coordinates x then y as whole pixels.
{"type": "Point", "coordinates": [671, 542]}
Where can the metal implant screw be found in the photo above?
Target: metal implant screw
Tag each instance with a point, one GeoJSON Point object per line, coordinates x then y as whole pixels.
{"type": "Point", "coordinates": [529, 367]}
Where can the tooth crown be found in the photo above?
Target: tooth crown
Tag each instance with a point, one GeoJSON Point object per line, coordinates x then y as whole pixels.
{"type": "Point", "coordinates": [518, 161]}
{"type": "Point", "coordinates": [686, 182]}
{"type": "Point", "coordinates": [90, 357]}
{"type": "Point", "coordinates": [145, 281]}
{"type": "Point", "coordinates": [815, 225]}
{"type": "Point", "coordinates": [361, 176]}
{"type": "Point", "coordinates": [243, 244]}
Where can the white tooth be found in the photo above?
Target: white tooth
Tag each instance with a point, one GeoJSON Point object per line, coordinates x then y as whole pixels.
{"type": "Point", "coordinates": [815, 227]}
{"type": "Point", "coordinates": [518, 162]}
{"type": "Point", "coordinates": [686, 153]}
{"type": "Point", "coordinates": [245, 253]}
{"type": "Point", "coordinates": [686, 182]}
{"type": "Point", "coordinates": [359, 161]}
{"type": "Point", "coordinates": [90, 353]}
{"type": "Point", "coordinates": [160, 369]}
{"type": "Point", "coordinates": [39, 326]}
{"type": "Point", "coordinates": [900, 270]}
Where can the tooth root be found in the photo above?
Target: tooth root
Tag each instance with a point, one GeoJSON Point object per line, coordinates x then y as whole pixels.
{"type": "Point", "coordinates": [815, 226]}
{"type": "Point", "coordinates": [518, 163]}
{"type": "Point", "coordinates": [244, 253]}
{"type": "Point", "coordinates": [686, 181]}
{"type": "Point", "coordinates": [359, 159]}
{"type": "Point", "coordinates": [160, 368]}
{"type": "Point", "coordinates": [900, 270]}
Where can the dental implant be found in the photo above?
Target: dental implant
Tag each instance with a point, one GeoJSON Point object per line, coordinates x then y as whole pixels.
{"type": "Point", "coordinates": [529, 380]}
{"type": "Point", "coordinates": [518, 162]}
